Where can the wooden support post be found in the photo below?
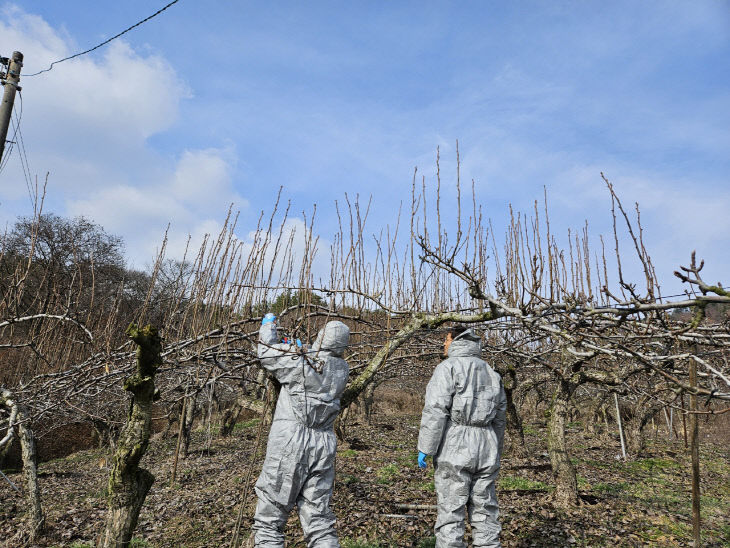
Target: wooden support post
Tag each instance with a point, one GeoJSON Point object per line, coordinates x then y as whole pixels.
{"type": "Point", "coordinates": [695, 449]}
{"type": "Point", "coordinates": [179, 436]}
{"type": "Point", "coordinates": [684, 420]}
{"type": "Point", "coordinates": [620, 426]}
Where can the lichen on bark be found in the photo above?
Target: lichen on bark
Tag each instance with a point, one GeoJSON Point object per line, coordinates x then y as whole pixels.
{"type": "Point", "coordinates": [128, 483]}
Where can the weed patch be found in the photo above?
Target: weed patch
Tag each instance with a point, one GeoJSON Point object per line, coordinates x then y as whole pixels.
{"type": "Point", "coordinates": [610, 488]}
{"type": "Point", "coordinates": [517, 483]}
{"type": "Point", "coordinates": [387, 473]}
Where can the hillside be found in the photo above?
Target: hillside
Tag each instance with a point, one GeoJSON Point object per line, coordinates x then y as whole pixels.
{"type": "Point", "coordinates": [644, 502]}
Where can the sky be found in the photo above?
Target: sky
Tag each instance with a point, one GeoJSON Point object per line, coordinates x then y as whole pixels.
{"type": "Point", "coordinates": [217, 103]}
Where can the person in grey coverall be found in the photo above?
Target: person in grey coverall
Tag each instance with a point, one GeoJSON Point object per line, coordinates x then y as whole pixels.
{"type": "Point", "coordinates": [300, 457]}
{"type": "Point", "coordinates": [462, 426]}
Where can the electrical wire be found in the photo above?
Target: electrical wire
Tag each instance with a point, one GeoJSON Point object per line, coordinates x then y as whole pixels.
{"type": "Point", "coordinates": [24, 156]}
{"type": "Point", "coordinates": [18, 141]}
{"type": "Point", "coordinates": [105, 42]}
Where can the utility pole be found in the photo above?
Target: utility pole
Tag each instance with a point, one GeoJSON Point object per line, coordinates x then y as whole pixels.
{"type": "Point", "coordinates": [10, 82]}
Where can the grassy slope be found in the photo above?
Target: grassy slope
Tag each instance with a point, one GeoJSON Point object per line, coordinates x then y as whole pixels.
{"type": "Point", "coordinates": [642, 502]}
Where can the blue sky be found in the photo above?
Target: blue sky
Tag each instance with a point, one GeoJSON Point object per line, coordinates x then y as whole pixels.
{"type": "Point", "coordinates": [217, 102]}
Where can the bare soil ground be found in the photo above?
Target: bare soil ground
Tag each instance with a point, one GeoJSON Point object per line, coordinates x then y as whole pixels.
{"type": "Point", "coordinates": [642, 502]}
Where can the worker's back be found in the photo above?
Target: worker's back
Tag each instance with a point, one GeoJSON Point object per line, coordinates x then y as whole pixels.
{"type": "Point", "coordinates": [313, 381]}
{"type": "Point", "coordinates": [477, 386]}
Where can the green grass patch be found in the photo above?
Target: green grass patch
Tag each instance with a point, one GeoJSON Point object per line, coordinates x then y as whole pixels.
{"type": "Point", "coordinates": [429, 542]}
{"type": "Point", "coordinates": [513, 483]}
{"type": "Point", "coordinates": [348, 453]}
{"type": "Point", "coordinates": [529, 430]}
{"type": "Point", "coordinates": [597, 463]}
{"type": "Point", "coordinates": [349, 479]}
{"type": "Point", "coordinates": [409, 459]}
{"type": "Point", "coordinates": [610, 488]}
{"type": "Point", "coordinates": [429, 486]}
{"type": "Point", "coordinates": [247, 424]}
{"type": "Point", "coordinates": [136, 542]}
{"type": "Point", "coordinates": [388, 473]}
{"type": "Point", "coordinates": [652, 465]}
{"type": "Point", "coordinates": [358, 543]}
{"type": "Point", "coordinates": [725, 534]}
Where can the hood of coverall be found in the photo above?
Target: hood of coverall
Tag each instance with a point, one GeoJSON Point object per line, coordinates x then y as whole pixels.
{"type": "Point", "coordinates": [333, 337]}
{"type": "Point", "coordinates": [468, 343]}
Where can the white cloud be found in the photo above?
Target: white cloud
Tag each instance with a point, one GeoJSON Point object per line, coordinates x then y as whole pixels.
{"type": "Point", "coordinates": [193, 199]}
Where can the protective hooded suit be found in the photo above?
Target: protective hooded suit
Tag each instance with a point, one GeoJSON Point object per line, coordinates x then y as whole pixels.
{"type": "Point", "coordinates": [463, 427]}
{"type": "Point", "coordinates": [300, 457]}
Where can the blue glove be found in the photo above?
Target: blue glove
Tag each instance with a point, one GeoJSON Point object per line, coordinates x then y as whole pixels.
{"type": "Point", "coordinates": [422, 459]}
{"type": "Point", "coordinates": [299, 343]}
{"type": "Point", "coordinates": [269, 318]}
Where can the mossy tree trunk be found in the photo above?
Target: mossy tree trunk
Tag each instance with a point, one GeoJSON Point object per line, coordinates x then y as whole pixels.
{"type": "Point", "coordinates": [128, 483]}
{"type": "Point", "coordinates": [566, 483]}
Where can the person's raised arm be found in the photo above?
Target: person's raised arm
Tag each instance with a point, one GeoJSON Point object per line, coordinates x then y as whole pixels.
{"type": "Point", "coordinates": [279, 359]}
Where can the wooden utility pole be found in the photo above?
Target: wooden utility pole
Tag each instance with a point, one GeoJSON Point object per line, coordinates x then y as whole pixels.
{"type": "Point", "coordinates": [10, 83]}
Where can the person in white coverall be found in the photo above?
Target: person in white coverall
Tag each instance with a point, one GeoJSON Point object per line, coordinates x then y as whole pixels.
{"type": "Point", "coordinates": [462, 427]}
{"type": "Point", "coordinates": [300, 457]}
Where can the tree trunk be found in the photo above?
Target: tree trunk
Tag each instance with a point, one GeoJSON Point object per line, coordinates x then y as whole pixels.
{"type": "Point", "coordinates": [368, 399]}
{"type": "Point", "coordinates": [104, 433]}
{"type": "Point", "coordinates": [36, 519]}
{"type": "Point", "coordinates": [594, 416]}
{"type": "Point", "coordinates": [514, 420]}
{"type": "Point", "coordinates": [340, 425]}
{"type": "Point", "coordinates": [230, 418]}
{"type": "Point", "coordinates": [566, 483]}
{"type": "Point", "coordinates": [187, 425]}
{"type": "Point", "coordinates": [642, 415]}
{"type": "Point", "coordinates": [128, 483]}
{"type": "Point", "coordinates": [34, 512]}
{"type": "Point", "coordinates": [272, 396]}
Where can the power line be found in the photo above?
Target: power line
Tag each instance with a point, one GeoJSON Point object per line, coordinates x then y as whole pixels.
{"type": "Point", "coordinates": [24, 155]}
{"type": "Point", "coordinates": [105, 42]}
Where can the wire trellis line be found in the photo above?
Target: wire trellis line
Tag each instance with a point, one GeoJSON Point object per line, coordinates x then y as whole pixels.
{"type": "Point", "coordinates": [105, 42]}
